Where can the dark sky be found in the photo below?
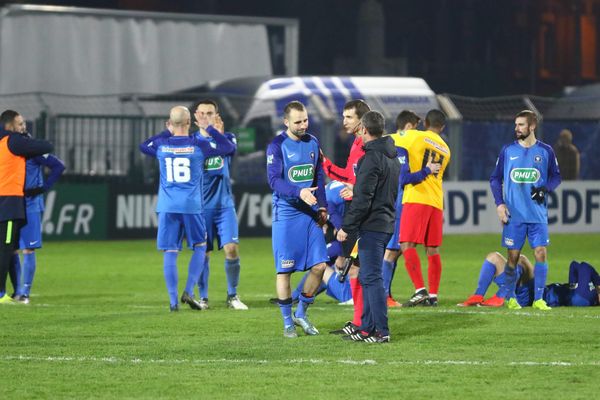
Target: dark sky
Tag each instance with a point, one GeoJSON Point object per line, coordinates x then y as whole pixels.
{"type": "Point", "coordinates": [469, 47]}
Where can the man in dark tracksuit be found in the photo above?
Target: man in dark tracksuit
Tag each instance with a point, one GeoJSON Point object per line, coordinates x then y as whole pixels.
{"type": "Point", "coordinates": [14, 149]}
{"type": "Point", "coordinates": [371, 214]}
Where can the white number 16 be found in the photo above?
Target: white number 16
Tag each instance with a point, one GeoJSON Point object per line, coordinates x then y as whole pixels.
{"type": "Point", "coordinates": [178, 169]}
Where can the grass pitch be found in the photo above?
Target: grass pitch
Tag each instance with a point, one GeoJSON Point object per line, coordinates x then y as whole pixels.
{"type": "Point", "coordinates": [99, 327]}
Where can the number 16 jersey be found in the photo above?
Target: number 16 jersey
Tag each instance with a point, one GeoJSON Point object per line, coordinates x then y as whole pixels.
{"type": "Point", "coordinates": [421, 145]}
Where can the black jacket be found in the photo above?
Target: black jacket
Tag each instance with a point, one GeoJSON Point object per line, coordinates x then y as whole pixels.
{"type": "Point", "coordinates": [373, 203]}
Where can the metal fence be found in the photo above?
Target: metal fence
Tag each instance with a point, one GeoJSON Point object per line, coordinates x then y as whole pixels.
{"type": "Point", "coordinates": [98, 136]}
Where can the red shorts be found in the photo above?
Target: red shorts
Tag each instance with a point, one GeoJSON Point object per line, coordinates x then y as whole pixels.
{"type": "Point", "coordinates": [422, 224]}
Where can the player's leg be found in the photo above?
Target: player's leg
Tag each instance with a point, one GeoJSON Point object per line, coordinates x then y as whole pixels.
{"type": "Point", "coordinates": [284, 295]}
{"type": "Point", "coordinates": [15, 272]}
{"type": "Point", "coordinates": [30, 240]}
{"type": "Point", "coordinates": [9, 240]}
{"type": "Point", "coordinates": [433, 241]}
{"type": "Point", "coordinates": [336, 289]}
{"type": "Point", "coordinates": [168, 239]}
{"type": "Point", "coordinates": [228, 239]}
{"type": "Point", "coordinates": [538, 239]}
{"type": "Point", "coordinates": [493, 265]}
{"type": "Point", "coordinates": [211, 234]}
{"type": "Point", "coordinates": [513, 238]}
{"type": "Point", "coordinates": [413, 226]}
{"type": "Point", "coordinates": [195, 233]}
{"type": "Point", "coordinates": [392, 252]}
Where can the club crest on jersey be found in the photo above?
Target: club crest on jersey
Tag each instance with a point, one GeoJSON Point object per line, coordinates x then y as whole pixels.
{"type": "Point", "coordinates": [213, 163]}
{"type": "Point", "coordinates": [301, 173]}
{"type": "Point", "coordinates": [312, 155]}
{"type": "Point", "coordinates": [525, 175]}
{"type": "Point", "coordinates": [537, 159]}
{"type": "Point", "coordinates": [287, 264]}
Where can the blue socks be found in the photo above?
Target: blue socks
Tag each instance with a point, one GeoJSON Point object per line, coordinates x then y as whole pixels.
{"type": "Point", "coordinates": [286, 312]}
{"type": "Point", "coordinates": [232, 270]}
{"type": "Point", "coordinates": [29, 265]}
{"type": "Point", "coordinates": [170, 271]}
{"type": "Point", "coordinates": [388, 268]}
{"type": "Point", "coordinates": [203, 281]}
{"type": "Point", "coordinates": [540, 273]}
{"type": "Point", "coordinates": [510, 282]}
{"type": "Point", "coordinates": [486, 275]}
{"type": "Point", "coordinates": [195, 268]}
{"type": "Point", "coordinates": [303, 302]}
{"type": "Point", "coordinates": [300, 288]}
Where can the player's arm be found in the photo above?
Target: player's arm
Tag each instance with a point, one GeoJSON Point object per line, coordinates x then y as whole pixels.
{"type": "Point", "coordinates": [150, 145]}
{"type": "Point", "coordinates": [233, 140]}
{"type": "Point", "coordinates": [413, 178]}
{"type": "Point", "coordinates": [320, 192]}
{"type": "Point", "coordinates": [275, 172]}
{"type": "Point", "coordinates": [25, 146]}
{"type": "Point", "coordinates": [224, 146]}
{"type": "Point", "coordinates": [364, 191]}
{"type": "Point", "coordinates": [496, 180]}
{"type": "Point", "coordinates": [56, 167]}
{"type": "Point", "coordinates": [553, 179]}
{"type": "Point", "coordinates": [337, 173]}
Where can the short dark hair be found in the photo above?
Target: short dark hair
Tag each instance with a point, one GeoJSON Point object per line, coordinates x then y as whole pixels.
{"type": "Point", "coordinates": [532, 118]}
{"type": "Point", "coordinates": [204, 101]}
{"type": "Point", "coordinates": [359, 106]}
{"type": "Point", "coordinates": [406, 117]}
{"type": "Point", "coordinates": [435, 118]}
{"type": "Point", "coordinates": [374, 123]}
{"type": "Point", "coordinates": [7, 117]}
{"type": "Point", "coordinates": [292, 105]}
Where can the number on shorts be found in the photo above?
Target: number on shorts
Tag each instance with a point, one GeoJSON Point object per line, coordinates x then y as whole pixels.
{"type": "Point", "coordinates": [178, 169]}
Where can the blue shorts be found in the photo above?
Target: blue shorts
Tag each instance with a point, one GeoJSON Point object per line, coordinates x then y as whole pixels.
{"type": "Point", "coordinates": [221, 223]}
{"type": "Point", "coordinates": [394, 243]}
{"type": "Point", "coordinates": [172, 227]}
{"type": "Point", "coordinates": [30, 236]}
{"type": "Point", "coordinates": [298, 244]}
{"type": "Point", "coordinates": [513, 235]}
{"type": "Point", "coordinates": [334, 250]}
{"type": "Point", "coordinates": [339, 290]}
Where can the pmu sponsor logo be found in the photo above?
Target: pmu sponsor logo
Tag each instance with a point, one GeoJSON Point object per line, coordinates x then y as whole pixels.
{"type": "Point", "coordinates": [301, 173]}
{"type": "Point", "coordinates": [525, 175]}
{"type": "Point", "coordinates": [213, 163]}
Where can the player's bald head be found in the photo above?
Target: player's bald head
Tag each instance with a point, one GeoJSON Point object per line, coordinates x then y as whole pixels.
{"type": "Point", "coordinates": [179, 116]}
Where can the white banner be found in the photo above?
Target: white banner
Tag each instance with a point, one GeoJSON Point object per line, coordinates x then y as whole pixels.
{"type": "Point", "coordinates": [470, 208]}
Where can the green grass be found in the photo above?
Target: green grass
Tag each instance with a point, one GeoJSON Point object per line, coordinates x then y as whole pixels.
{"type": "Point", "coordinates": [99, 327]}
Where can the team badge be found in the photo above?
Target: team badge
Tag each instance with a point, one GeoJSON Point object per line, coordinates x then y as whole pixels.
{"type": "Point", "coordinates": [287, 264]}
{"type": "Point", "coordinates": [537, 159]}
{"type": "Point", "coordinates": [312, 155]}
{"type": "Point", "coordinates": [509, 241]}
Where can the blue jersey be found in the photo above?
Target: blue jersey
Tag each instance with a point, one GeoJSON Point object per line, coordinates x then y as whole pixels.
{"type": "Point", "coordinates": [292, 166]}
{"type": "Point", "coordinates": [181, 163]}
{"type": "Point", "coordinates": [216, 187]}
{"type": "Point", "coordinates": [518, 169]}
{"type": "Point", "coordinates": [34, 178]}
{"type": "Point", "coordinates": [335, 203]}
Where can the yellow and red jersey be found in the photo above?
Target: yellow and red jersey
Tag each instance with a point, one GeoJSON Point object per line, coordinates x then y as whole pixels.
{"type": "Point", "coordinates": [421, 145]}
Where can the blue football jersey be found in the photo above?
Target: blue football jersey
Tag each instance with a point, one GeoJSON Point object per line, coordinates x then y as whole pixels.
{"type": "Point", "coordinates": [216, 187]}
{"type": "Point", "coordinates": [518, 169]}
{"type": "Point", "coordinates": [181, 164]}
{"type": "Point", "coordinates": [34, 178]}
{"type": "Point", "coordinates": [335, 203]}
{"type": "Point", "coordinates": [292, 166]}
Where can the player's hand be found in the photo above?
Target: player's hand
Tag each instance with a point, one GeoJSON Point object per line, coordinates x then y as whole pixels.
{"type": "Point", "coordinates": [341, 235]}
{"type": "Point", "coordinates": [538, 194]}
{"type": "Point", "coordinates": [322, 214]}
{"type": "Point", "coordinates": [503, 213]}
{"type": "Point", "coordinates": [219, 125]}
{"type": "Point", "coordinates": [347, 192]}
{"type": "Point", "coordinates": [434, 167]}
{"type": "Point", "coordinates": [308, 197]}
{"type": "Point", "coordinates": [32, 192]}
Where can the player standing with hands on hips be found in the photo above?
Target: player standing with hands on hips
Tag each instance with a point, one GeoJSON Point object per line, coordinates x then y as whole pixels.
{"type": "Point", "coordinates": [525, 171]}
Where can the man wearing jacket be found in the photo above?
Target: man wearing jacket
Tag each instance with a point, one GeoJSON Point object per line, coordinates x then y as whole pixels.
{"type": "Point", "coordinates": [371, 215]}
{"type": "Point", "coordinates": [14, 149]}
